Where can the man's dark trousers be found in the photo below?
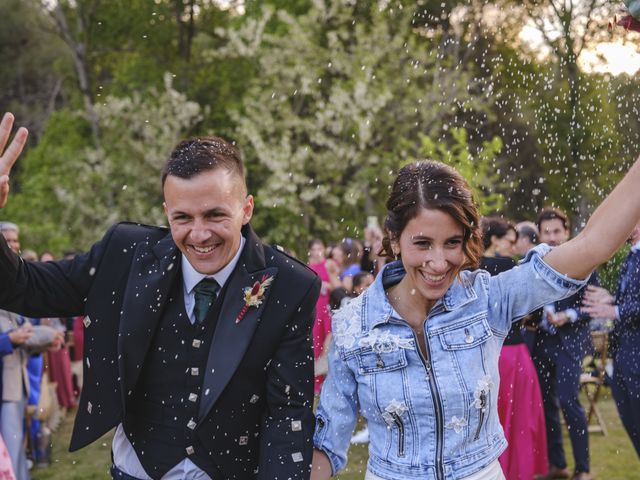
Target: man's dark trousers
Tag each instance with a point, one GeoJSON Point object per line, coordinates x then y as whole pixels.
{"type": "Point", "coordinates": [559, 376]}
{"type": "Point", "coordinates": [558, 360]}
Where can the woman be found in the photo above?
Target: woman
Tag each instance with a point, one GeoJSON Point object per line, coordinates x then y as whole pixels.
{"type": "Point", "coordinates": [520, 407]}
{"type": "Point", "coordinates": [351, 254]}
{"type": "Point", "coordinates": [417, 353]}
{"type": "Point", "coordinates": [327, 270]}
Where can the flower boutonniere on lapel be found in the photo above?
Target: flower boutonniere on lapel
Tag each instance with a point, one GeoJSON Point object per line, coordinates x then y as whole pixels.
{"type": "Point", "coordinates": [254, 295]}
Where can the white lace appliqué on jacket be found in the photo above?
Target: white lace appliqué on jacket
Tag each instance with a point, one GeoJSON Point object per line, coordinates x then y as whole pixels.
{"type": "Point", "coordinates": [395, 408]}
{"type": "Point", "coordinates": [457, 424]}
{"type": "Point", "coordinates": [347, 324]}
{"type": "Point", "coordinates": [382, 341]}
{"type": "Point", "coordinates": [485, 384]}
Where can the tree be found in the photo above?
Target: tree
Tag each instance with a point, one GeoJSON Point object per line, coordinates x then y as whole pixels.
{"type": "Point", "coordinates": [33, 65]}
{"type": "Point", "coordinates": [335, 108]}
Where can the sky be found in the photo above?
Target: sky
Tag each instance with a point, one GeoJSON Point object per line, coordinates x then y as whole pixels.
{"type": "Point", "coordinates": [612, 57]}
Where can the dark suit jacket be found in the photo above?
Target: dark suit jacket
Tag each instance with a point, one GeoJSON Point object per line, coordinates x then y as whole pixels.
{"type": "Point", "coordinates": [121, 285]}
{"type": "Point", "coordinates": [574, 336]}
{"type": "Point", "coordinates": [625, 338]}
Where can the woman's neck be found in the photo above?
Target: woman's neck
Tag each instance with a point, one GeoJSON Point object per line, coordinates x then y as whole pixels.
{"type": "Point", "coordinates": [409, 303]}
{"type": "Point", "coordinates": [491, 252]}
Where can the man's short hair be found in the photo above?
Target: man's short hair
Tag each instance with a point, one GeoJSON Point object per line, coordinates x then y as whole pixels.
{"type": "Point", "coordinates": [9, 227]}
{"type": "Point", "coordinates": [529, 230]}
{"type": "Point", "coordinates": [550, 213]}
{"type": "Point", "coordinates": [201, 154]}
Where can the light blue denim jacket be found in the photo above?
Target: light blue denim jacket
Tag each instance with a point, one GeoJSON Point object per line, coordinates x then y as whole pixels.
{"type": "Point", "coordinates": [432, 417]}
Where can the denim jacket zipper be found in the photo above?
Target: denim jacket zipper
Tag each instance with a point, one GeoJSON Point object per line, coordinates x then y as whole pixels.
{"type": "Point", "coordinates": [435, 396]}
{"type": "Point", "coordinates": [398, 421]}
{"type": "Point", "coordinates": [483, 408]}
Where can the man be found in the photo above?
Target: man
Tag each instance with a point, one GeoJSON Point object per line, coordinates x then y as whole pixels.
{"type": "Point", "coordinates": [15, 331]}
{"type": "Point", "coordinates": [527, 238]}
{"type": "Point", "coordinates": [562, 340]}
{"type": "Point", "coordinates": [197, 338]}
{"type": "Point", "coordinates": [624, 340]}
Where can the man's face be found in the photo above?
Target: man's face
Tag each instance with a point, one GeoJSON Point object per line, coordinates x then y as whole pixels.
{"type": "Point", "coordinates": [206, 213]}
{"type": "Point", "coordinates": [523, 245]}
{"type": "Point", "coordinates": [553, 232]}
{"type": "Point", "coordinates": [11, 236]}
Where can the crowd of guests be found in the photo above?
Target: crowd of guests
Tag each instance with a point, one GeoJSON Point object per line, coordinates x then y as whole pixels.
{"type": "Point", "coordinates": [41, 365]}
{"type": "Point", "coordinates": [541, 359]}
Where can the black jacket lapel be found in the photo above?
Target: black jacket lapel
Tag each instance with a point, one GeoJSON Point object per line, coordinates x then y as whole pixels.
{"type": "Point", "coordinates": [232, 337]}
{"type": "Point", "coordinates": [150, 280]}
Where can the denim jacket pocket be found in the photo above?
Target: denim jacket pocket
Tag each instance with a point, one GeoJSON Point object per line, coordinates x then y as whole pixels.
{"type": "Point", "coordinates": [371, 362]}
{"type": "Point", "coordinates": [466, 336]}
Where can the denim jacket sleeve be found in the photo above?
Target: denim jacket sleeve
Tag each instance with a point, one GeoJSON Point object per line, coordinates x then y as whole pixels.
{"type": "Point", "coordinates": [338, 411]}
{"type": "Point", "coordinates": [527, 287]}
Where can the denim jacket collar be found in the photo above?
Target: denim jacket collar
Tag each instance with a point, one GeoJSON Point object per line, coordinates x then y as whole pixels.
{"type": "Point", "coordinates": [379, 310]}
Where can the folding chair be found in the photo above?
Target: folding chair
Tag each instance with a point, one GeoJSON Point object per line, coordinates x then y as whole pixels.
{"type": "Point", "coordinates": [592, 384]}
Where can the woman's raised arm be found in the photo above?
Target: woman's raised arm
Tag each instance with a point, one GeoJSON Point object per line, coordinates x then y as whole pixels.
{"type": "Point", "coordinates": [606, 230]}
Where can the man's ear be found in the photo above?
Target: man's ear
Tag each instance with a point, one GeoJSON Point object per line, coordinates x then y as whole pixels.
{"type": "Point", "coordinates": [247, 209]}
{"type": "Point", "coordinates": [164, 206]}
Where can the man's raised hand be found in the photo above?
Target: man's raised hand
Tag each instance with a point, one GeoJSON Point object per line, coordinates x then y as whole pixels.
{"type": "Point", "coordinates": [9, 155]}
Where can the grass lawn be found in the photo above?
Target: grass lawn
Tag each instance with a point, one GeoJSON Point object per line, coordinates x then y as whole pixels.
{"type": "Point", "coordinates": [612, 457]}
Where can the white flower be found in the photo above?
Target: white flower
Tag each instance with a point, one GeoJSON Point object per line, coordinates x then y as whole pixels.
{"type": "Point", "coordinates": [484, 386]}
{"type": "Point", "coordinates": [457, 424]}
{"type": "Point", "coordinates": [399, 408]}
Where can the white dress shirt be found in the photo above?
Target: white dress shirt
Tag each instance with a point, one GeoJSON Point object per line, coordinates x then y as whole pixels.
{"type": "Point", "coordinates": [124, 456]}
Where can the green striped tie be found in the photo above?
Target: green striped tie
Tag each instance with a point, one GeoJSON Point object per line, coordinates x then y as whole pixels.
{"type": "Point", "coordinates": [205, 293]}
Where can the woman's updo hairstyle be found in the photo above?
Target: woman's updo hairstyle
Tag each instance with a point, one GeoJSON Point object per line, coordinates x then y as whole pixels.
{"type": "Point", "coordinates": [433, 185]}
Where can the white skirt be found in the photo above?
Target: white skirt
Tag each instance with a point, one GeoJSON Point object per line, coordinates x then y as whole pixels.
{"type": "Point", "coordinates": [491, 472]}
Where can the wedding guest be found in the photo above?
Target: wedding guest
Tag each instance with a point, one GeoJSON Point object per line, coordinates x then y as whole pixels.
{"type": "Point", "coordinates": [327, 271]}
{"type": "Point", "coordinates": [563, 339]}
{"type": "Point", "coordinates": [624, 309]}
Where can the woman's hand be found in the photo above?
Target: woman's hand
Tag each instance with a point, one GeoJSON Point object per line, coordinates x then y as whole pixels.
{"type": "Point", "coordinates": [320, 466]}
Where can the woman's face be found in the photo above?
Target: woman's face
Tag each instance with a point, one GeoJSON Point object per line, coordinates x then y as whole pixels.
{"type": "Point", "coordinates": [505, 245]}
{"type": "Point", "coordinates": [431, 250]}
{"type": "Point", "coordinates": [316, 252]}
{"type": "Point", "coordinates": [337, 255]}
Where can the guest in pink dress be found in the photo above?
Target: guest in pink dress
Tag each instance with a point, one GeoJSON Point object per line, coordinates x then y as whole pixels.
{"type": "Point", "coordinates": [327, 270]}
{"type": "Point", "coordinates": [60, 367]}
{"type": "Point", "coordinates": [6, 470]}
{"type": "Point", "coordinates": [519, 399]}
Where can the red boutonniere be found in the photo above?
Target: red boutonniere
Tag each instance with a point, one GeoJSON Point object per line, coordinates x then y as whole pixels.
{"type": "Point", "coordinates": [254, 295]}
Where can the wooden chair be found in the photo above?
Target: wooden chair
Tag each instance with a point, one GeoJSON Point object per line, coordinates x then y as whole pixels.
{"type": "Point", "coordinates": [592, 384]}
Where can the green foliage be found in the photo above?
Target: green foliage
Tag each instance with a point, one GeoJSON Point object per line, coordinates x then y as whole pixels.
{"type": "Point", "coordinates": [335, 108]}
{"type": "Point", "coordinates": [478, 170]}
{"type": "Point", "coordinates": [33, 204]}
{"type": "Point", "coordinates": [34, 64]}
{"type": "Point", "coordinates": [326, 100]}
{"type": "Point", "coordinates": [610, 272]}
